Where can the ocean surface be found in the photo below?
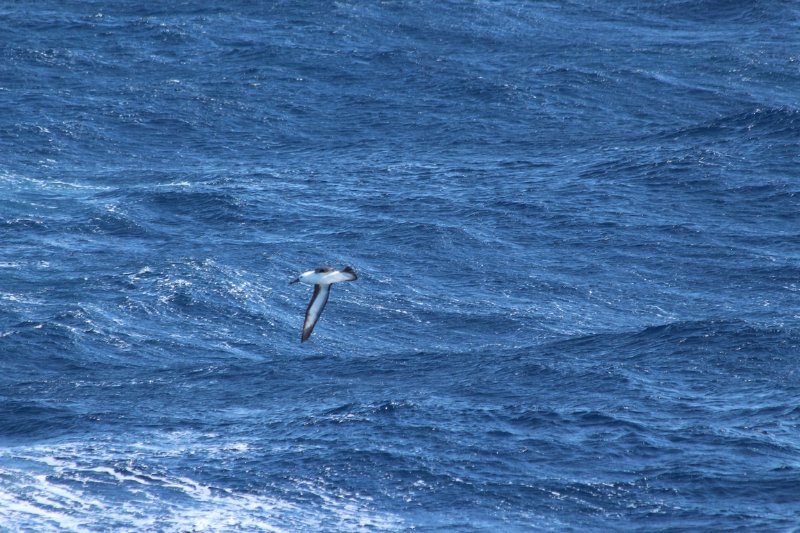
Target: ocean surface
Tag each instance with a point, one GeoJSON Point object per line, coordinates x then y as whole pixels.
{"type": "Point", "coordinates": [577, 232]}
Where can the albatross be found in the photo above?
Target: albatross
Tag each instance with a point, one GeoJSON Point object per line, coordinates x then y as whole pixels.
{"type": "Point", "coordinates": [321, 278]}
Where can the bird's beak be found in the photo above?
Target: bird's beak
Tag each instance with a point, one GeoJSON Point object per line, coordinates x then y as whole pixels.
{"type": "Point", "coordinates": [294, 281]}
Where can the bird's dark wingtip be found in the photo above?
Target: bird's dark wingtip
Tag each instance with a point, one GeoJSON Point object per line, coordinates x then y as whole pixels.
{"type": "Point", "coordinates": [350, 270]}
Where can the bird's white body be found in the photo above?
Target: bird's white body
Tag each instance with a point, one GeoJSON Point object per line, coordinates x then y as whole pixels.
{"type": "Point", "coordinates": [313, 277]}
{"type": "Point", "coordinates": [321, 278]}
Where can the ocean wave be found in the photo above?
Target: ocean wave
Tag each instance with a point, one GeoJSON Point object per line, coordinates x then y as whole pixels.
{"type": "Point", "coordinates": [767, 122]}
{"type": "Point", "coordinates": [129, 485]}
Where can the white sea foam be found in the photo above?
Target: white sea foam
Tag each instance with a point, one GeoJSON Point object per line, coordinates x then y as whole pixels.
{"type": "Point", "coordinates": [130, 486]}
{"type": "Point", "coordinates": [24, 182]}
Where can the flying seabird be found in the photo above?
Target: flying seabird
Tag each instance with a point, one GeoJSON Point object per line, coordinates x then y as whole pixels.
{"type": "Point", "coordinates": [321, 278]}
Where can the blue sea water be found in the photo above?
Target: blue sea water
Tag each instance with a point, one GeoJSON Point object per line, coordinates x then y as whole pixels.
{"type": "Point", "coordinates": [577, 231]}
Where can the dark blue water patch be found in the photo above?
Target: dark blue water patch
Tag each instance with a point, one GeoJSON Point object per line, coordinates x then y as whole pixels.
{"type": "Point", "coordinates": [715, 339]}
{"type": "Point", "coordinates": [31, 421]}
{"type": "Point", "coordinates": [22, 225]}
{"type": "Point", "coordinates": [769, 123]}
{"type": "Point", "coordinates": [724, 13]}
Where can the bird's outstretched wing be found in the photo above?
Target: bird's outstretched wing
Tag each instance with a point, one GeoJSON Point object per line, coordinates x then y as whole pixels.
{"type": "Point", "coordinates": [314, 309]}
